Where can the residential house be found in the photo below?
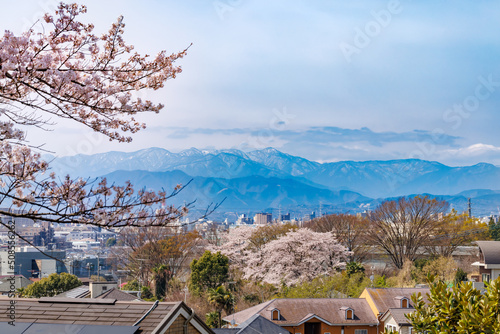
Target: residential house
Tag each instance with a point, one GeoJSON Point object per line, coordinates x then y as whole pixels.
{"type": "Point", "coordinates": [314, 315]}
{"type": "Point", "coordinates": [99, 290]}
{"type": "Point", "coordinates": [51, 315]}
{"type": "Point", "coordinates": [395, 320]}
{"type": "Point", "coordinates": [489, 260]}
{"type": "Point", "coordinates": [390, 305]}
{"type": "Point", "coordinates": [256, 324]}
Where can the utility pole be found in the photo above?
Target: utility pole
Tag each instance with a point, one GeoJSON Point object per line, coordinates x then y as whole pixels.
{"type": "Point", "coordinates": [469, 207]}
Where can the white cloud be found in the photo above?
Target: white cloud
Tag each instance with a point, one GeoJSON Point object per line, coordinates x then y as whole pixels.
{"type": "Point", "coordinates": [475, 150]}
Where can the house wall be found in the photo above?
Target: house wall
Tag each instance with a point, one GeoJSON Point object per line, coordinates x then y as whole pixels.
{"type": "Point", "coordinates": [405, 330]}
{"type": "Point", "coordinates": [390, 322]}
{"type": "Point", "coordinates": [495, 273]}
{"type": "Point", "coordinates": [370, 302]}
{"type": "Point", "coordinates": [349, 329]}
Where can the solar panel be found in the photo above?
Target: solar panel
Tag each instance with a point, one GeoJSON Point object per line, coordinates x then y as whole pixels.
{"type": "Point", "coordinates": [94, 329]}
{"type": "Point", "coordinates": [37, 328]}
{"type": "Point", "coordinates": [19, 328]}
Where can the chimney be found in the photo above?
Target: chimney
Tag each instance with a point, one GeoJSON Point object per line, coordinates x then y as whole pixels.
{"type": "Point", "coordinates": [98, 288]}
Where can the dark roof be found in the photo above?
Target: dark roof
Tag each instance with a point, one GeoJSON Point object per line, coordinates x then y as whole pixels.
{"type": "Point", "coordinates": [259, 324]}
{"type": "Point", "coordinates": [490, 250]}
{"type": "Point", "coordinates": [86, 311]}
{"type": "Point", "coordinates": [114, 293]}
{"type": "Point", "coordinates": [81, 291]}
{"type": "Point", "coordinates": [296, 311]}
{"type": "Point", "coordinates": [31, 328]}
{"type": "Point", "coordinates": [386, 298]}
{"type": "Point", "coordinates": [84, 292]}
{"type": "Point", "coordinates": [255, 324]}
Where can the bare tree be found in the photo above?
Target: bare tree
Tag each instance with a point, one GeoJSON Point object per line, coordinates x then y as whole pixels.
{"type": "Point", "coordinates": [350, 231]}
{"type": "Point", "coordinates": [456, 230]}
{"type": "Point", "coordinates": [404, 226]}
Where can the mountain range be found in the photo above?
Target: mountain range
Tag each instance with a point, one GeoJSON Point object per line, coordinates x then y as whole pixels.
{"type": "Point", "coordinates": [269, 179]}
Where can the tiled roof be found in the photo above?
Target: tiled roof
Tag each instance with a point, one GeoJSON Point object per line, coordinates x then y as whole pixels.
{"type": "Point", "coordinates": [226, 330]}
{"type": "Point", "coordinates": [296, 311]}
{"type": "Point", "coordinates": [259, 324]}
{"type": "Point", "coordinates": [386, 298]}
{"type": "Point", "coordinates": [87, 311]}
{"type": "Point", "coordinates": [81, 291]}
{"type": "Point", "coordinates": [398, 314]}
{"type": "Point", "coordinates": [114, 293]}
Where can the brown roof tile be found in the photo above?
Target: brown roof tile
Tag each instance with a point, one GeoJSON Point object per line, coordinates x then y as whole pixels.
{"type": "Point", "coordinates": [386, 298]}
{"type": "Point", "coordinates": [295, 311]}
{"type": "Point", "coordinates": [116, 294]}
{"type": "Point", "coordinates": [86, 312]}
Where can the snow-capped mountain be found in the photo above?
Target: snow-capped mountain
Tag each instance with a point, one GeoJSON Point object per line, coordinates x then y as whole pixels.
{"type": "Point", "coordinates": [268, 177]}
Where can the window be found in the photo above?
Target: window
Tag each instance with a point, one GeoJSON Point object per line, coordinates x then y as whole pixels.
{"type": "Point", "coordinates": [275, 314]}
{"type": "Point", "coordinates": [405, 303]}
{"type": "Point", "coordinates": [391, 328]}
{"type": "Point", "coordinates": [486, 277]}
{"type": "Point", "coordinates": [361, 331]}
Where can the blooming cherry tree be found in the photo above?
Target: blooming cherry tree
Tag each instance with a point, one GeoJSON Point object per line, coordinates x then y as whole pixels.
{"type": "Point", "coordinates": [71, 73]}
{"type": "Point", "coordinates": [292, 258]}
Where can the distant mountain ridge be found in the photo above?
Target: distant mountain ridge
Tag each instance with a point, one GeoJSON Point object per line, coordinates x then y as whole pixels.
{"type": "Point", "coordinates": [269, 178]}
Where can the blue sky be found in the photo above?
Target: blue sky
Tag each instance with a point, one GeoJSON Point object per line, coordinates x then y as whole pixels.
{"type": "Point", "coordinates": [326, 80]}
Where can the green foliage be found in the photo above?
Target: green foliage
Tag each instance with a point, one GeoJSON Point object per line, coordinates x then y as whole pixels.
{"type": "Point", "coordinates": [460, 309]}
{"type": "Point", "coordinates": [380, 282]}
{"type": "Point", "coordinates": [222, 299]}
{"type": "Point", "coordinates": [132, 285]}
{"type": "Point", "coordinates": [147, 294]}
{"type": "Point", "coordinates": [354, 268]}
{"type": "Point", "coordinates": [337, 286]}
{"type": "Point", "coordinates": [421, 263]}
{"type": "Point", "coordinates": [494, 230]}
{"type": "Point", "coordinates": [208, 272]}
{"type": "Point", "coordinates": [51, 286]}
{"type": "Point", "coordinates": [110, 242]}
{"type": "Point", "coordinates": [160, 280]}
{"type": "Point", "coordinates": [212, 320]}
{"type": "Point", "coordinates": [460, 276]}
